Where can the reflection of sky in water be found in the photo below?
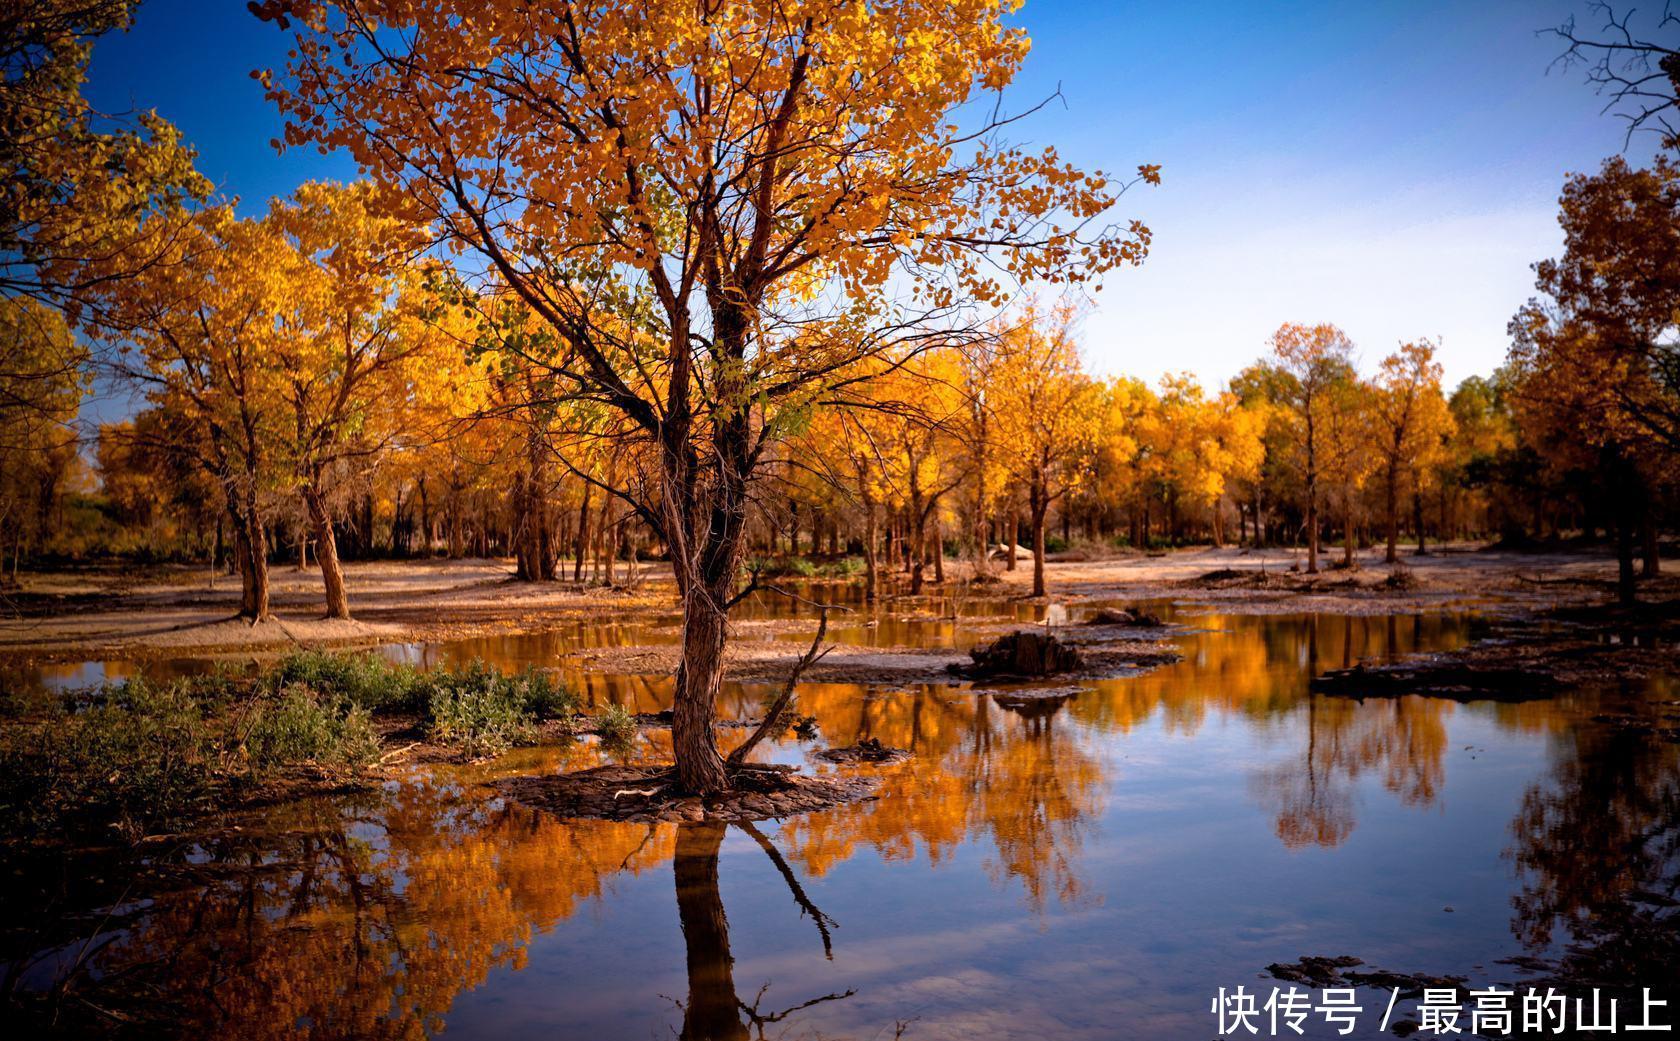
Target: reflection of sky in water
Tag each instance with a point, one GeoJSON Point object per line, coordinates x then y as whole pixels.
{"type": "Point", "coordinates": [1084, 867]}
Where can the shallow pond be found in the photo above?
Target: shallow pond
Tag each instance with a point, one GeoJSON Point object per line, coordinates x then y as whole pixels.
{"type": "Point", "coordinates": [1093, 866]}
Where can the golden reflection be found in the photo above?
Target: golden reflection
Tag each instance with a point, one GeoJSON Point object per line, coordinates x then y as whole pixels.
{"type": "Point", "coordinates": [367, 917]}
{"type": "Point", "coordinates": [345, 925]}
{"type": "Point", "coordinates": [1002, 771]}
{"type": "Point", "coordinates": [1311, 794]}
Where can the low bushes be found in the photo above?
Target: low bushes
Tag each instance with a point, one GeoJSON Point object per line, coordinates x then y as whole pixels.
{"type": "Point", "coordinates": [134, 755]}
{"type": "Point", "coordinates": [483, 712]}
{"type": "Point", "coordinates": [131, 756]}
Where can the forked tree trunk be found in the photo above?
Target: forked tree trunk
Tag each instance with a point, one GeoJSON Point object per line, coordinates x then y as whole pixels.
{"type": "Point", "coordinates": [326, 554]}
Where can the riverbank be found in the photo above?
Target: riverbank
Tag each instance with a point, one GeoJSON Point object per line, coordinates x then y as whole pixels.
{"type": "Point", "coordinates": [144, 613]}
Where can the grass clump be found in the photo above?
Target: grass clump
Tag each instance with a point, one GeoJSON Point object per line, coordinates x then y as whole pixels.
{"type": "Point", "coordinates": [136, 755]}
{"type": "Point", "coordinates": [845, 567]}
{"type": "Point", "coordinates": [483, 712]}
{"type": "Point", "coordinates": [365, 680]}
{"type": "Point", "coordinates": [617, 728]}
{"type": "Point", "coordinates": [296, 725]}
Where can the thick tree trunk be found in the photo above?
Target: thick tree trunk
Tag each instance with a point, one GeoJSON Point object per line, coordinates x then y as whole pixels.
{"type": "Point", "coordinates": [326, 554]}
{"type": "Point", "coordinates": [1650, 544]}
{"type": "Point", "coordinates": [1626, 588]}
{"type": "Point", "coordinates": [1039, 503]}
{"type": "Point", "coordinates": [582, 535]}
{"type": "Point", "coordinates": [1312, 497]}
{"type": "Point", "coordinates": [705, 630]}
{"type": "Point", "coordinates": [1348, 534]}
{"type": "Point", "coordinates": [871, 567]}
{"type": "Point", "coordinates": [1627, 510]}
{"type": "Point", "coordinates": [427, 535]}
{"type": "Point", "coordinates": [253, 571]}
{"type": "Point", "coordinates": [1312, 529]}
{"type": "Point", "coordinates": [1417, 519]}
{"type": "Point", "coordinates": [938, 550]}
{"type": "Point", "coordinates": [1392, 504]}
{"type": "Point", "coordinates": [918, 536]}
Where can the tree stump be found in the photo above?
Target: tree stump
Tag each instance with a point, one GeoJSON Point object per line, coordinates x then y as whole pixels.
{"type": "Point", "coordinates": [1027, 654]}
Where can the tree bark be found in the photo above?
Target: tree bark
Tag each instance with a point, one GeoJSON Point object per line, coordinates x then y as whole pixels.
{"type": "Point", "coordinates": [1650, 543]}
{"type": "Point", "coordinates": [938, 550]}
{"type": "Point", "coordinates": [582, 535]}
{"type": "Point", "coordinates": [871, 568]}
{"type": "Point", "coordinates": [1392, 491]}
{"type": "Point", "coordinates": [1348, 534]}
{"type": "Point", "coordinates": [326, 554]}
{"type": "Point", "coordinates": [1039, 503]}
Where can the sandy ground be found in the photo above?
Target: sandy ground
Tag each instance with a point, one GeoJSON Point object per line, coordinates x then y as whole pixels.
{"type": "Point", "coordinates": [158, 611]}
{"type": "Point", "coordinates": [153, 611]}
{"type": "Point", "coordinates": [1273, 580]}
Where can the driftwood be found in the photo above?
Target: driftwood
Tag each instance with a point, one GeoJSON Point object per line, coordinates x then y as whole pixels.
{"type": "Point", "coordinates": [1027, 654]}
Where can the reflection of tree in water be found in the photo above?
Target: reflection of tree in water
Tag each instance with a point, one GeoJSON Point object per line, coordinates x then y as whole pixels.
{"type": "Point", "coordinates": [714, 1010]}
{"type": "Point", "coordinates": [368, 923]}
{"type": "Point", "coordinates": [1011, 777]}
{"type": "Point", "coordinates": [1597, 847]}
{"type": "Point", "coordinates": [342, 923]}
{"type": "Point", "coordinates": [1313, 795]}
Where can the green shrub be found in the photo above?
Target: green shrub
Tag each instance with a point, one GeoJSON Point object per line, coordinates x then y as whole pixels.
{"type": "Point", "coordinates": [365, 680]}
{"type": "Point", "coordinates": [478, 710]}
{"type": "Point", "coordinates": [135, 754]}
{"type": "Point", "coordinates": [144, 754]}
{"type": "Point", "coordinates": [543, 696]}
{"type": "Point", "coordinates": [617, 728]}
{"type": "Point", "coordinates": [845, 567]}
{"type": "Point", "coordinates": [297, 726]}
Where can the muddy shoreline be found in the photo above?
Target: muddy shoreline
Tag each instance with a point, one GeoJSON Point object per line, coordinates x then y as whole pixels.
{"type": "Point", "coordinates": [149, 613]}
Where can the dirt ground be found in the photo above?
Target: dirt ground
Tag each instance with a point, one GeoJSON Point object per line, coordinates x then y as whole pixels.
{"type": "Point", "coordinates": [136, 611]}
{"type": "Point", "coordinates": [164, 610]}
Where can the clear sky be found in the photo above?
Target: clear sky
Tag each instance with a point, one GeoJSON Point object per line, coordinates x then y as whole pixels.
{"type": "Point", "coordinates": [1390, 167]}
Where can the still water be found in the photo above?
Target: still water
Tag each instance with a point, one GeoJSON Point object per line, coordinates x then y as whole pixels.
{"type": "Point", "coordinates": [1092, 866]}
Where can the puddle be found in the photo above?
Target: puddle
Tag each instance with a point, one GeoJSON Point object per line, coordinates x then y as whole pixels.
{"type": "Point", "coordinates": [1090, 864]}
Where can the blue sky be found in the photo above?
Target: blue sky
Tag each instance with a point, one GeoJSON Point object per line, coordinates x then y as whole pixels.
{"type": "Point", "coordinates": [1391, 167]}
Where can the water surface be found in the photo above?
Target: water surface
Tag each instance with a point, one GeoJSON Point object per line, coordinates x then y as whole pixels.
{"type": "Point", "coordinates": [1090, 866]}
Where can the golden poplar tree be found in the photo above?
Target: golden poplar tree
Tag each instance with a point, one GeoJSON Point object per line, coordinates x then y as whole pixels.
{"type": "Point", "coordinates": [727, 179]}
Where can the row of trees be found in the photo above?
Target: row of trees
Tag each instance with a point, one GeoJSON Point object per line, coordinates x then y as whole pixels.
{"type": "Point", "coordinates": [704, 278]}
